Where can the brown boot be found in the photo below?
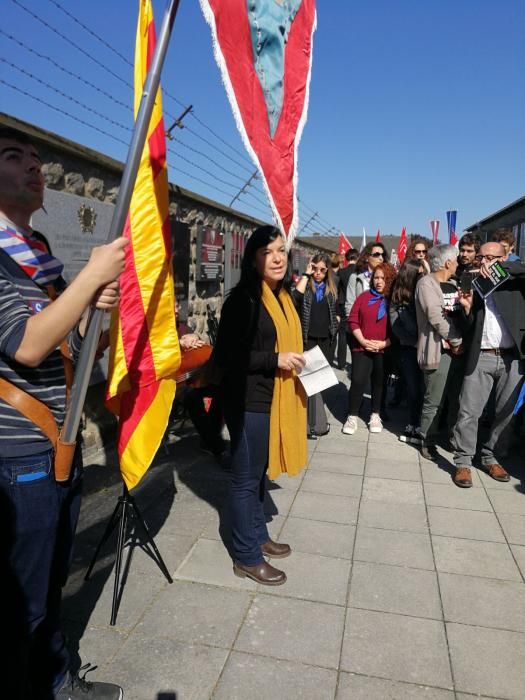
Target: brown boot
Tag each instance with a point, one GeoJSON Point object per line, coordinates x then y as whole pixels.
{"type": "Point", "coordinates": [462, 477]}
{"type": "Point", "coordinates": [264, 573]}
{"type": "Point", "coordinates": [276, 549]}
{"type": "Point", "coordinates": [496, 471]}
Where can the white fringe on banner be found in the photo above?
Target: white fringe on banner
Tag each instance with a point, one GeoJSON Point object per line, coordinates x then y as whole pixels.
{"type": "Point", "coordinates": [221, 62]}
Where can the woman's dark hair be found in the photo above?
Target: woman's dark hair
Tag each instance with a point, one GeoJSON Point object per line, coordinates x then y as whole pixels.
{"type": "Point", "coordinates": [405, 284]}
{"type": "Point", "coordinates": [362, 261]}
{"type": "Point", "coordinates": [389, 271]}
{"type": "Point", "coordinates": [250, 280]}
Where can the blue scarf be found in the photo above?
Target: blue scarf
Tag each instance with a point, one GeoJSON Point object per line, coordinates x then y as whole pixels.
{"type": "Point", "coordinates": [381, 312]}
{"type": "Point", "coordinates": [319, 290]}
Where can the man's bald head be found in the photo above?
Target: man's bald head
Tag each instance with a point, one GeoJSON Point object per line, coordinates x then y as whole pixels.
{"type": "Point", "coordinates": [493, 249]}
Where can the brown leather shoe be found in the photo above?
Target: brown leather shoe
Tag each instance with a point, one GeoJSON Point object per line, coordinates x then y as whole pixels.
{"type": "Point", "coordinates": [276, 549]}
{"type": "Point", "coordinates": [264, 573]}
{"type": "Point", "coordinates": [462, 477]}
{"type": "Point", "coordinates": [496, 471]}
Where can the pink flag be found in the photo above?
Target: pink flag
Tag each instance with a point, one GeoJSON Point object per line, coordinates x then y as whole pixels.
{"type": "Point", "coordinates": [264, 52]}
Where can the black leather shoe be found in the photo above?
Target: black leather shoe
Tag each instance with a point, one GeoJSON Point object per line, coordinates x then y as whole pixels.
{"type": "Point", "coordinates": [264, 573]}
{"type": "Point", "coordinates": [277, 550]}
{"type": "Point", "coordinates": [312, 435]}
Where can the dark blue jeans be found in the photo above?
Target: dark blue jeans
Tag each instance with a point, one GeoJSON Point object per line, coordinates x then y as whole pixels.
{"type": "Point", "coordinates": [250, 435]}
{"type": "Point", "coordinates": [414, 383]}
{"type": "Point", "coordinates": [38, 518]}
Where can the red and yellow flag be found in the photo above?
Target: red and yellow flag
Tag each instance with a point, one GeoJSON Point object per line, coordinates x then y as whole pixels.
{"type": "Point", "coordinates": [145, 352]}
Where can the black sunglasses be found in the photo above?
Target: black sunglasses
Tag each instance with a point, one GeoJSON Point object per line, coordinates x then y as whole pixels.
{"type": "Point", "coordinates": [377, 255]}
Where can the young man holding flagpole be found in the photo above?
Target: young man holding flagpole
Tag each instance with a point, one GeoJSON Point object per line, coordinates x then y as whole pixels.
{"type": "Point", "coordinates": [39, 513]}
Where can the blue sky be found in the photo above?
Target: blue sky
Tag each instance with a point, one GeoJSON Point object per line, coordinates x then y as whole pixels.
{"type": "Point", "coordinates": [416, 106]}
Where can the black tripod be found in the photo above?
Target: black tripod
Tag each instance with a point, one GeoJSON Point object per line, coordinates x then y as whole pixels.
{"type": "Point", "coordinates": [125, 509]}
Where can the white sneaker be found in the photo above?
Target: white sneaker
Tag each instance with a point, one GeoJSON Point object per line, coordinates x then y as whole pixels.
{"type": "Point", "coordinates": [350, 425]}
{"type": "Point", "coordinates": [375, 425]}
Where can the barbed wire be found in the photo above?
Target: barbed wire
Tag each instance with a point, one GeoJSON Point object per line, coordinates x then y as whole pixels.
{"type": "Point", "coordinates": [62, 111]}
{"type": "Point", "coordinates": [40, 81]}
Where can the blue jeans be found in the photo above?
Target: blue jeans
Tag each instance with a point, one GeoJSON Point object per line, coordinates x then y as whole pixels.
{"type": "Point", "coordinates": [250, 437]}
{"type": "Point", "coordinates": [38, 518]}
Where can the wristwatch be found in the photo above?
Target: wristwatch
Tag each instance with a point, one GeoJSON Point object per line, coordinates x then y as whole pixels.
{"type": "Point", "coordinates": [305, 274]}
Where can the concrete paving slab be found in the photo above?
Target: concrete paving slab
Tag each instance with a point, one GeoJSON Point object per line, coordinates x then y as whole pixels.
{"type": "Point", "coordinates": [392, 454]}
{"type": "Point", "coordinates": [149, 667]}
{"type": "Point", "coordinates": [337, 463]}
{"type": "Point", "coordinates": [292, 630]}
{"type": "Point", "coordinates": [392, 491]}
{"type": "Point", "coordinates": [313, 577]}
{"type": "Point", "coordinates": [513, 527]}
{"type": "Point", "coordinates": [278, 501]}
{"type": "Point", "coordinates": [511, 502]}
{"type": "Point", "coordinates": [519, 554]}
{"type": "Point", "coordinates": [209, 562]}
{"type": "Point", "coordinates": [195, 613]}
{"type": "Point", "coordinates": [468, 524]}
{"type": "Point", "coordinates": [95, 645]}
{"type": "Point", "coordinates": [315, 537]}
{"type": "Point", "coordinates": [395, 589]}
{"type": "Point", "coordinates": [173, 549]}
{"type": "Point", "coordinates": [334, 509]}
{"type": "Point", "coordinates": [483, 601]}
{"type": "Point", "coordinates": [487, 661]}
{"type": "Point", "coordinates": [336, 484]}
{"type": "Point", "coordinates": [354, 687]}
{"type": "Point", "coordinates": [450, 496]}
{"type": "Point", "coordinates": [406, 471]}
{"type": "Point", "coordinates": [344, 445]}
{"type": "Point", "coordinates": [395, 516]}
{"type": "Point", "coordinates": [473, 558]}
{"type": "Point", "coordinates": [257, 677]}
{"type": "Point", "coordinates": [289, 483]}
{"type": "Point", "coordinates": [393, 646]}
{"type": "Point", "coordinates": [393, 547]}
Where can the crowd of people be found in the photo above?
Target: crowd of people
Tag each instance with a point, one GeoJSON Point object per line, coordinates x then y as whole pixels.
{"type": "Point", "coordinates": [455, 345]}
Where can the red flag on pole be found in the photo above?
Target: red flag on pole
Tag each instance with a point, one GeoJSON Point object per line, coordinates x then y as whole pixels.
{"type": "Point", "coordinates": [402, 247]}
{"type": "Point", "coordinates": [344, 246]}
{"type": "Point", "coordinates": [265, 58]}
{"type": "Point", "coordinates": [434, 226]}
{"type": "Point", "coordinates": [378, 236]}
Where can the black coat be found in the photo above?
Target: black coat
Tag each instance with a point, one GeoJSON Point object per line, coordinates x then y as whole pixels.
{"type": "Point", "coordinates": [509, 299]}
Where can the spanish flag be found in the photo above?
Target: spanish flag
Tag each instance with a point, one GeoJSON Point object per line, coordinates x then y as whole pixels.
{"type": "Point", "coordinates": [145, 352]}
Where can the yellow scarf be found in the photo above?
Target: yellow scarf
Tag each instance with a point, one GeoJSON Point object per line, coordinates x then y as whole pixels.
{"type": "Point", "coordinates": [288, 449]}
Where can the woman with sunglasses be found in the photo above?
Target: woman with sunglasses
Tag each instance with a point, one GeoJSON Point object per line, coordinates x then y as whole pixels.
{"type": "Point", "coordinates": [316, 298]}
{"type": "Point", "coordinates": [258, 353]}
{"type": "Point", "coordinates": [418, 250]}
{"type": "Point", "coordinates": [369, 328]}
{"type": "Point", "coordinates": [372, 255]}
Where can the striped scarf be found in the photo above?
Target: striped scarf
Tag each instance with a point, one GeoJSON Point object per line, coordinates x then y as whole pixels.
{"type": "Point", "coordinates": [31, 255]}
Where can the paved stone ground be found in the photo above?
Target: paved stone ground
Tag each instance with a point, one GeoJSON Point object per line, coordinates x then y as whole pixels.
{"type": "Point", "coordinates": [400, 585]}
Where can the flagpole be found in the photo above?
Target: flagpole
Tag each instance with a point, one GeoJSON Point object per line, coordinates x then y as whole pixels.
{"type": "Point", "coordinates": [136, 147]}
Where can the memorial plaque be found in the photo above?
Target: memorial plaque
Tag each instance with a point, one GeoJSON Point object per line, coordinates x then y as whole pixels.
{"type": "Point", "coordinates": [210, 258]}
{"type": "Point", "coordinates": [73, 225]}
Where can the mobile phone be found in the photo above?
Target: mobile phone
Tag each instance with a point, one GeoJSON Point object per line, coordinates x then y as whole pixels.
{"type": "Point", "coordinates": [465, 283]}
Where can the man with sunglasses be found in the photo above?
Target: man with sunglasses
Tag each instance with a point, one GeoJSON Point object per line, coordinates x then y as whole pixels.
{"type": "Point", "coordinates": [496, 348]}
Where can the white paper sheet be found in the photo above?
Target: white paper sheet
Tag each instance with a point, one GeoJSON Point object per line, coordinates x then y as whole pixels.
{"type": "Point", "coordinates": [317, 374]}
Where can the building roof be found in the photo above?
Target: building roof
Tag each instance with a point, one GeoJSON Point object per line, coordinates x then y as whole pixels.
{"type": "Point", "coordinates": [499, 214]}
{"type": "Point", "coordinates": [330, 244]}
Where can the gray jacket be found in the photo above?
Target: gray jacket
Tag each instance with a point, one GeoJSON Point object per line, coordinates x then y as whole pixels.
{"type": "Point", "coordinates": [433, 325]}
{"type": "Point", "coordinates": [357, 284]}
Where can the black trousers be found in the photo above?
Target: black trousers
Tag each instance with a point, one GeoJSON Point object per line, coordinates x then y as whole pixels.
{"type": "Point", "coordinates": [342, 342]}
{"type": "Point", "coordinates": [315, 409]}
{"type": "Point", "coordinates": [366, 367]}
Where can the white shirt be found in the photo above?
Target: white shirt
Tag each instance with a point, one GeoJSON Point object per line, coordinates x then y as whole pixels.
{"type": "Point", "coordinates": [495, 332]}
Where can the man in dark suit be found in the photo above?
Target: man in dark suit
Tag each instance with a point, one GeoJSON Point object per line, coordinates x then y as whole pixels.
{"type": "Point", "coordinates": [495, 351]}
{"type": "Point", "coordinates": [343, 275]}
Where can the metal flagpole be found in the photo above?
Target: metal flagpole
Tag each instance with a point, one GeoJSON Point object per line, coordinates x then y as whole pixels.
{"type": "Point", "coordinates": [89, 345]}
